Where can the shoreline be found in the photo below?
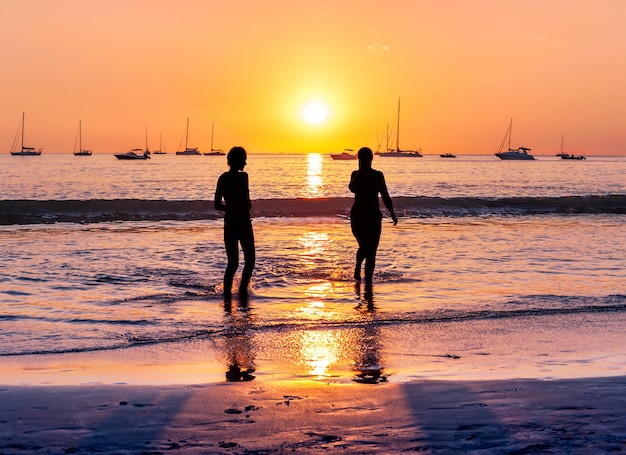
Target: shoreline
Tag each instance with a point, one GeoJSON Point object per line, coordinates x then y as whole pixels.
{"type": "Point", "coordinates": [568, 346]}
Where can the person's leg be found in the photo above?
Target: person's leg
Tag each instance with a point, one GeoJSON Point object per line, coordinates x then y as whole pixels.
{"type": "Point", "coordinates": [232, 255]}
{"type": "Point", "coordinates": [373, 239]}
{"type": "Point", "coordinates": [249, 255]}
{"type": "Point", "coordinates": [358, 235]}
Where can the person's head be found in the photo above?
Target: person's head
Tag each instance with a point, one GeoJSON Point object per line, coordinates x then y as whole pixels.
{"type": "Point", "coordinates": [365, 156]}
{"type": "Point", "coordinates": [236, 158]}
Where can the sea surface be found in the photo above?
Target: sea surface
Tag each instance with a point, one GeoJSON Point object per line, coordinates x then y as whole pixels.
{"type": "Point", "coordinates": [105, 255]}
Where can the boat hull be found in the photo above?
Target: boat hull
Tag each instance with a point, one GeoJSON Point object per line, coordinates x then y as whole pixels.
{"type": "Point", "coordinates": [343, 156]}
{"type": "Point", "coordinates": [515, 155]}
{"type": "Point", "coordinates": [128, 157]}
{"type": "Point", "coordinates": [136, 154]}
{"type": "Point", "coordinates": [190, 151]}
{"type": "Point", "coordinates": [400, 154]}
{"type": "Point", "coordinates": [36, 153]}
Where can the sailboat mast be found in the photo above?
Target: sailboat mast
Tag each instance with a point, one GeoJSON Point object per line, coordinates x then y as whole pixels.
{"type": "Point", "coordinates": [186, 133]}
{"type": "Point", "coordinates": [23, 130]}
{"type": "Point", "coordinates": [212, 130]}
{"type": "Point", "coordinates": [398, 129]}
{"type": "Point", "coordinates": [510, 132]}
{"type": "Point", "coordinates": [387, 137]}
{"type": "Point", "coordinates": [80, 137]}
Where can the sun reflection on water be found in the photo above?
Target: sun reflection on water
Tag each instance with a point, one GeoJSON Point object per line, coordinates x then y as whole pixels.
{"type": "Point", "coordinates": [314, 176]}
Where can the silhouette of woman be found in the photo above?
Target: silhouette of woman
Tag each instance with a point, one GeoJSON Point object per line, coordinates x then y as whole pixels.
{"type": "Point", "coordinates": [232, 196]}
{"type": "Point", "coordinates": [365, 216]}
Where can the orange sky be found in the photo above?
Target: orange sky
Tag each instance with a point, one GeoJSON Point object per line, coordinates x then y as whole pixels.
{"type": "Point", "coordinates": [462, 69]}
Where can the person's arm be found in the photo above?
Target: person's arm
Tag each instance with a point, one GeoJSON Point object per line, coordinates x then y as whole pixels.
{"type": "Point", "coordinates": [249, 202]}
{"type": "Point", "coordinates": [353, 177]}
{"type": "Point", "coordinates": [218, 203]}
{"type": "Point", "coordinates": [387, 199]}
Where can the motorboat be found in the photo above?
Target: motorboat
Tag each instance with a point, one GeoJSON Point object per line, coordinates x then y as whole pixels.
{"type": "Point", "coordinates": [518, 154]}
{"type": "Point", "coordinates": [343, 156]}
{"type": "Point", "coordinates": [567, 156]}
{"type": "Point", "coordinates": [134, 154]}
{"type": "Point", "coordinates": [447, 155]}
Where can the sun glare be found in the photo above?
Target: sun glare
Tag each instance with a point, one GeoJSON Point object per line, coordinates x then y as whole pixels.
{"type": "Point", "coordinates": [315, 113]}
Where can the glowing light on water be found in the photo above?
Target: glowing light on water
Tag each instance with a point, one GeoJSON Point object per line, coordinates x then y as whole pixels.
{"type": "Point", "coordinates": [320, 351]}
{"type": "Point", "coordinates": [314, 175]}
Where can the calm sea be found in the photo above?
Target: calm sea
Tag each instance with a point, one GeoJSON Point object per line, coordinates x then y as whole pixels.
{"type": "Point", "coordinates": [101, 254]}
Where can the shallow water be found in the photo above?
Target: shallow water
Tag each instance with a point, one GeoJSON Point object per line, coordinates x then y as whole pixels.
{"type": "Point", "coordinates": [88, 286]}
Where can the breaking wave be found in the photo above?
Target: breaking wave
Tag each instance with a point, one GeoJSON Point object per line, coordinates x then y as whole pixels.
{"type": "Point", "coordinates": [104, 210]}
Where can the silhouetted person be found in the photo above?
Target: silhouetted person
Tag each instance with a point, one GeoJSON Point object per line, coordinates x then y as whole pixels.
{"type": "Point", "coordinates": [365, 215]}
{"type": "Point", "coordinates": [232, 196]}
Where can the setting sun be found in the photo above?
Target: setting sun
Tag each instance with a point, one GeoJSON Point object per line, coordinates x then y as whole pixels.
{"type": "Point", "coordinates": [315, 113]}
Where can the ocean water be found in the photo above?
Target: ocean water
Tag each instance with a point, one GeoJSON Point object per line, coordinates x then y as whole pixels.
{"type": "Point", "coordinates": [106, 255]}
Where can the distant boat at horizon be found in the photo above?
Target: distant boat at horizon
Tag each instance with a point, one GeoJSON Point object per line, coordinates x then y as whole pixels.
{"type": "Point", "coordinates": [25, 151]}
{"type": "Point", "coordinates": [80, 151]}
{"type": "Point", "coordinates": [214, 152]}
{"type": "Point", "coordinates": [188, 150]}
{"type": "Point", "coordinates": [397, 152]}
{"type": "Point", "coordinates": [348, 154]}
{"type": "Point", "coordinates": [447, 155]}
{"type": "Point", "coordinates": [160, 151]}
{"type": "Point", "coordinates": [567, 156]}
{"type": "Point", "coordinates": [134, 154]}
{"type": "Point", "coordinates": [519, 154]}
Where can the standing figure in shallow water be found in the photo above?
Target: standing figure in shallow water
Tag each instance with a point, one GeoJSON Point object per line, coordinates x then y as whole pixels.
{"type": "Point", "coordinates": [232, 196]}
{"type": "Point", "coordinates": [365, 216]}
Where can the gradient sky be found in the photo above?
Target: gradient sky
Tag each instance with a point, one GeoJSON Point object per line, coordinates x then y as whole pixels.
{"type": "Point", "coordinates": [462, 69]}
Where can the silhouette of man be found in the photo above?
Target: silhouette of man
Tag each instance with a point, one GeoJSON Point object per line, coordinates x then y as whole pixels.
{"type": "Point", "coordinates": [232, 196]}
{"type": "Point", "coordinates": [365, 216]}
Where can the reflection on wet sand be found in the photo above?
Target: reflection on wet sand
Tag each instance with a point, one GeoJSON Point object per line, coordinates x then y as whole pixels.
{"type": "Point", "coordinates": [368, 362]}
{"type": "Point", "coordinates": [239, 342]}
{"type": "Point", "coordinates": [319, 349]}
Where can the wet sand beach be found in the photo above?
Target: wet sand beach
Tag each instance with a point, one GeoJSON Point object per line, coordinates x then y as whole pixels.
{"type": "Point", "coordinates": [445, 394]}
{"type": "Point", "coordinates": [514, 416]}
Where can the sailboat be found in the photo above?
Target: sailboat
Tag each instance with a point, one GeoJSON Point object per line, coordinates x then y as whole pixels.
{"type": "Point", "coordinates": [25, 151]}
{"type": "Point", "coordinates": [80, 151]}
{"type": "Point", "coordinates": [397, 151]}
{"type": "Point", "coordinates": [518, 154]}
{"type": "Point", "coordinates": [567, 156]}
{"type": "Point", "coordinates": [188, 150]}
{"type": "Point", "coordinates": [160, 151]}
{"type": "Point", "coordinates": [214, 152]}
